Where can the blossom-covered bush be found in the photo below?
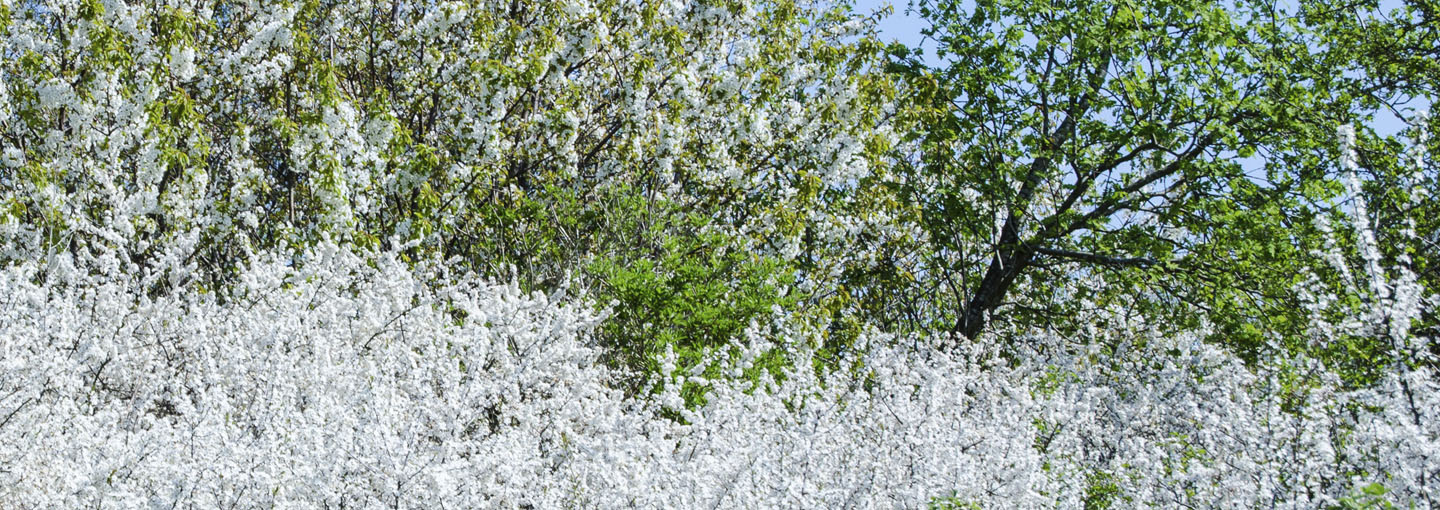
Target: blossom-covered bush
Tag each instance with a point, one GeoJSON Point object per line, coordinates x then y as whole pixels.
{"type": "Point", "coordinates": [357, 381]}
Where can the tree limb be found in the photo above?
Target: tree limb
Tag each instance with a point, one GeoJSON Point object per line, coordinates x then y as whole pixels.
{"type": "Point", "coordinates": [1094, 258]}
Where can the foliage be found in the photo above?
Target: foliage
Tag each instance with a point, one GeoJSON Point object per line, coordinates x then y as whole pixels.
{"type": "Point", "coordinates": [694, 294]}
{"type": "Point", "coordinates": [1179, 150]}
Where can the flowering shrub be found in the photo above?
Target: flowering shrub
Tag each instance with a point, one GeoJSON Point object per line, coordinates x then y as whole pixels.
{"type": "Point", "coordinates": [357, 381]}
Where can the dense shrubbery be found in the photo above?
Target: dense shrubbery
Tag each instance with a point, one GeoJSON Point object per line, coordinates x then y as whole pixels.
{"type": "Point", "coordinates": [672, 254]}
{"type": "Point", "coordinates": [359, 381]}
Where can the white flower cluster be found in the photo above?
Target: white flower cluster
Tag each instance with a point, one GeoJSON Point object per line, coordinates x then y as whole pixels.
{"type": "Point", "coordinates": [355, 381]}
{"type": "Point", "coordinates": [338, 384]}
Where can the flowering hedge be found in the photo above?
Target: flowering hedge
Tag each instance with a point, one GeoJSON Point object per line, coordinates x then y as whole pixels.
{"type": "Point", "coordinates": [358, 381]}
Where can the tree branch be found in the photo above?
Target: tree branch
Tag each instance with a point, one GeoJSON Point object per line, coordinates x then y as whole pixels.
{"type": "Point", "coordinates": [1097, 258]}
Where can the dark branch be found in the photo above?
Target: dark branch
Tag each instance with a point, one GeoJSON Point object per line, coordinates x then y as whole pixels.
{"type": "Point", "coordinates": [1098, 259]}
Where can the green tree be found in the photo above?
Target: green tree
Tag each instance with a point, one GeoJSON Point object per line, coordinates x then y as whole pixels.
{"type": "Point", "coordinates": [1173, 151]}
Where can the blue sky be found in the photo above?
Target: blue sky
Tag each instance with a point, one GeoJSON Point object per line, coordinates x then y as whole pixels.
{"type": "Point", "coordinates": [900, 26]}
